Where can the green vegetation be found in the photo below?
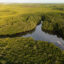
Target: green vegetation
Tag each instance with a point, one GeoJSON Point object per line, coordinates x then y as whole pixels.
{"type": "Point", "coordinates": [16, 18]}
{"type": "Point", "coordinates": [28, 51]}
{"type": "Point", "coordinates": [19, 24]}
{"type": "Point", "coordinates": [19, 18]}
{"type": "Point", "coordinates": [54, 23]}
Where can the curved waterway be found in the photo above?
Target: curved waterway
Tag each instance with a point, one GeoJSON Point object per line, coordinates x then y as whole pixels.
{"type": "Point", "coordinates": [38, 34]}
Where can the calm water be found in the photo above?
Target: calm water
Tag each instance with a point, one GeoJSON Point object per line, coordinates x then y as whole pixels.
{"type": "Point", "coordinates": [38, 34]}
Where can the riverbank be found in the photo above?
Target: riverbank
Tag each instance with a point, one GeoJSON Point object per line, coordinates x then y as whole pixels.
{"type": "Point", "coordinates": [54, 24]}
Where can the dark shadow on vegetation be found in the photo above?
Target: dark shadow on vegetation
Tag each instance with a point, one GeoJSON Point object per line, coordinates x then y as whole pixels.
{"type": "Point", "coordinates": [53, 33]}
{"type": "Point", "coordinates": [17, 34]}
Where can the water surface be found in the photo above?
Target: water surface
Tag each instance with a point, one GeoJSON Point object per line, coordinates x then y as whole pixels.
{"type": "Point", "coordinates": [38, 34]}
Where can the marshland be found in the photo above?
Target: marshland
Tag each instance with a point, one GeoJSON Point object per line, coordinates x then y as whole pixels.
{"type": "Point", "coordinates": [31, 33]}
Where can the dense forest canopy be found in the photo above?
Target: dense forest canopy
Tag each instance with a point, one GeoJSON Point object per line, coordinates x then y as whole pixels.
{"type": "Point", "coordinates": [29, 51]}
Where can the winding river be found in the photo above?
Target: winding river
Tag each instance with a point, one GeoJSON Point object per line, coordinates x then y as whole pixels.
{"type": "Point", "coordinates": [38, 34]}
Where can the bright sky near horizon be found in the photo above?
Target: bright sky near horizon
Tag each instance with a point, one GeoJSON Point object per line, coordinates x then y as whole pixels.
{"type": "Point", "coordinates": [32, 1]}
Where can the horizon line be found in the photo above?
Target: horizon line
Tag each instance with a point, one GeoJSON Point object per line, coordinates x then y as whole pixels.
{"type": "Point", "coordinates": [31, 2]}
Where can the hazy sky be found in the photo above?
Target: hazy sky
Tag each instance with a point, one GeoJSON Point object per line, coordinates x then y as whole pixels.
{"type": "Point", "coordinates": [33, 1]}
